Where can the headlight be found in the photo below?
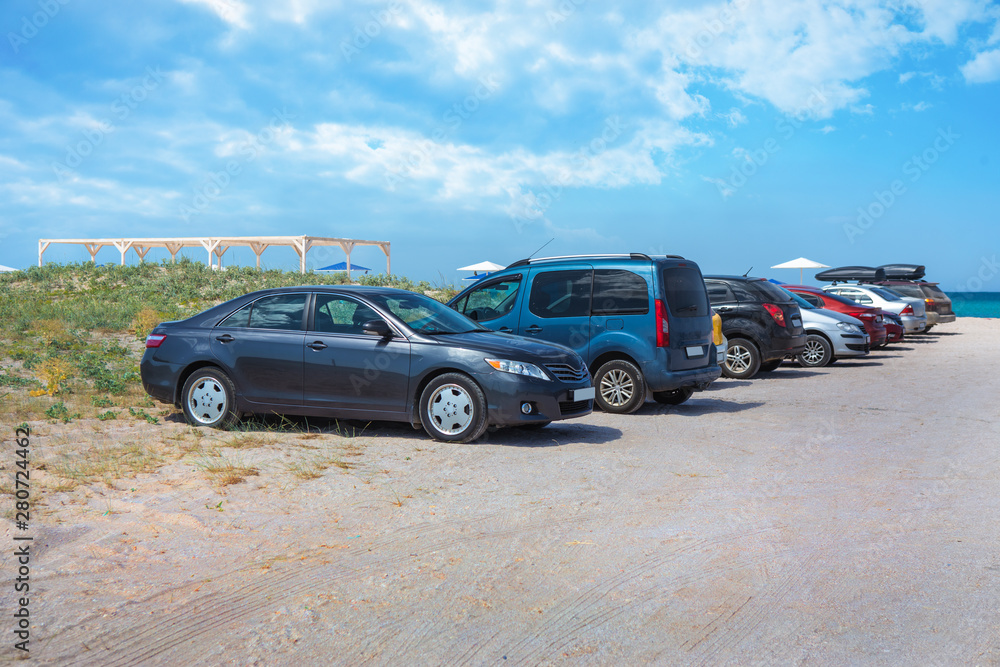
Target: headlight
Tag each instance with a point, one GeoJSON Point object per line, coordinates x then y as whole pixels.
{"type": "Point", "coordinates": [518, 368]}
{"type": "Point", "coordinates": [848, 327]}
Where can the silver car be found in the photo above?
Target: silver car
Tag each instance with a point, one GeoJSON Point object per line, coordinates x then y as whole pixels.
{"type": "Point", "coordinates": [830, 335]}
{"type": "Point", "coordinates": [911, 311]}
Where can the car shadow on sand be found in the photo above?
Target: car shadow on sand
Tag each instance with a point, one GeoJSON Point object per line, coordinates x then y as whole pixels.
{"type": "Point", "coordinates": [555, 434]}
{"type": "Point", "coordinates": [697, 406]}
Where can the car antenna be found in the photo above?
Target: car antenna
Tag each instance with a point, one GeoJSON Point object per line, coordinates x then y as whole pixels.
{"type": "Point", "coordinates": [748, 272]}
{"type": "Point", "coordinates": [543, 245]}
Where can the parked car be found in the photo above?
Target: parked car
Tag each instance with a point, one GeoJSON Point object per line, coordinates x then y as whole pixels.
{"type": "Point", "coordinates": [911, 311]}
{"type": "Point", "coordinates": [762, 323]}
{"type": "Point", "coordinates": [871, 316]}
{"type": "Point", "coordinates": [641, 323]}
{"type": "Point", "coordinates": [894, 329]}
{"type": "Point", "coordinates": [360, 353]}
{"type": "Point", "coordinates": [936, 302]}
{"type": "Point", "coordinates": [719, 338]}
{"type": "Point", "coordinates": [829, 335]}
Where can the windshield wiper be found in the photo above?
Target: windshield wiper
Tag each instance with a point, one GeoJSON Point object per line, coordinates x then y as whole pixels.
{"type": "Point", "coordinates": [687, 308]}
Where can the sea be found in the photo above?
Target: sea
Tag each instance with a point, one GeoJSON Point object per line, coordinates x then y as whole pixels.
{"type": "Point", "coordinates": [975, 304]}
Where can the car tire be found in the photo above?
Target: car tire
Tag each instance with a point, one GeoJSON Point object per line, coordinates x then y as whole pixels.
{"type": "Point", "coordinates": [768, 366]}
{"type": "Point", "coordinates": [742, 359]}
{"type": "Point", "coordinates": [620, 386]}
{"type": "Point", "coordinates": [209, 399]}
{"type": "Point", "coordinates": [928, 329]}
{"type": "Point", "coordinates": [453, 408]}
{"type": "Point", "coordinates": [818, 352]}
{"type": "Point", "coordinates": [674, 396]}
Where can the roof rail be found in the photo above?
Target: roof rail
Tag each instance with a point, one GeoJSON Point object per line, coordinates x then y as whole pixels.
{"type": "Point", "coordinates": [631, 255]}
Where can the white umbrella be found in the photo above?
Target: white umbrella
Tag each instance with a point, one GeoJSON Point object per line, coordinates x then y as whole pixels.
{"type": "Point", "coordinates": [800, 263]}
{"type": "Point", "coordinates": [7, 269]}
{"type": "Point", "coordinates": [482, 266]}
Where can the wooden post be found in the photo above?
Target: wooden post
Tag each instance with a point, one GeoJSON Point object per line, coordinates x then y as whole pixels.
{"type": "Point", "coordinates": [123, 247]}
{"type": "Point", "coordinates": [42, 245]}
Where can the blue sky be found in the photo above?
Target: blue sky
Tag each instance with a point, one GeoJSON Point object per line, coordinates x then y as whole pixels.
{"type": "Point", "coordinates": [738, 134]}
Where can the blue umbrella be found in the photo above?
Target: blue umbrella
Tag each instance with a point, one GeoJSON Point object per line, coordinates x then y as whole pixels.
{"type": "Point", "coordinates": [342, 266]}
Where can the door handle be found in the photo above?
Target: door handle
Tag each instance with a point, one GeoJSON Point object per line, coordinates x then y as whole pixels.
{"type": "Point", "coordinates": [225, 338]}
{"type": "Point", "coordinates": [533, 329]}
{"type": "Point", "coordinates": [317, 345]}
{"type": "Point", "coordinates": [505, 330]}
{"type": "Point", "coordinates": [724, 309]}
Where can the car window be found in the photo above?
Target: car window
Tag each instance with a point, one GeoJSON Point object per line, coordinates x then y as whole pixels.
{"type": "Point", "coordinates": [719, 292]}
{"type": "Point", "coordinates": [281, 311]}
{"type": "Point", "coordinates": [908, 290]}
{"type": "Point", "coordinates": [812, 298]}
{"type": "Point", "coordinates": [619, 292]}
{"type": "Point", "coordinates": [685, 292]}
{"type": "Point", "coordinates": [424, 314]}
{"type": "Point", "coordinates": [888, 294]}
{"type": "Point", "coordinates": [768, 291]}
{"type": "Point", "coordinates": [337, 314]}
{"type": "Point", "coordinates": [561, 293]}
{"type": "Point", "coordinates": [490, 301]}
{"type": "Point", "coordinates": [743, 294]}
{"type": "Point", "coordinates": [858, 297]}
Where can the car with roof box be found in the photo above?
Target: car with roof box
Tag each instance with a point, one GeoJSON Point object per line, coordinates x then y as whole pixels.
{"type": "Point", "coordinates": [372, 353]}
{"type": "Point", "coordinates": [642, 323]}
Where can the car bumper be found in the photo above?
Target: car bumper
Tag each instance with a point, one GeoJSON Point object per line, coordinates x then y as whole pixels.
{"type": "Point", "coordinates": [159, 378]}
{"type": "Point", "coordinates": [549, 401]}
{"type": "Point", "coordinates": [914, 324]}
{"type": "Point", "coordinates": [933, 318]}
{"type": "Point", "coordinates": [945, 319]}
{"type": "Point", "coordinates": [720, 351]}
{"type": "Point", "coordinates": [786, 347]}
{"type": "Point", "coordinates": [659, 379]}
{"type": "Point", "coordinates": [851, 345]}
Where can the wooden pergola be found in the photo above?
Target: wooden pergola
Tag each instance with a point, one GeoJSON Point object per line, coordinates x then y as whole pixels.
{"type": "Point", "coordinates": [218, 245]}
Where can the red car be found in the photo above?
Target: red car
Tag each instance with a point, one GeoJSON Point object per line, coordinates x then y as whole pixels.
{"type": "Point", "coordinates": [871, 316]}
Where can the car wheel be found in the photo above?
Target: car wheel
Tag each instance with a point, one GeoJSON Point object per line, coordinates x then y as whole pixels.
{"type": "Point", "coordinates": [453, 408]}
{"type": "Point", "coordinates": [742, 359]}
{"type": "Point", "coordinates": [620, 387]}
{"type": "Point", "coordinates": [209, 399]}
{"type": "Point", "coordinates": [674, 396]}
{"type": "Point", "coordinates": [769, 366]}
{"type": "Point", "coordinates": [818, 352]}
{"type": "Point", "coordinates": [928, 329]}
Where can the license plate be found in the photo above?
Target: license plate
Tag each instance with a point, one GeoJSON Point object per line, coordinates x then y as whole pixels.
{"type": "Point", "coordinates": [582, 394]}
{"type": "Point", "coordinates": [694, 351]}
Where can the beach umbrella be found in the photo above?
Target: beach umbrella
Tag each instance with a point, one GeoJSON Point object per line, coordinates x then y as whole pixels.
{"type": "Point", "coordinates": [481, 267]}
{"type": "Point", "coordinates": [800, 264]}
{"type": "Point", "coordinates": [7, 269]}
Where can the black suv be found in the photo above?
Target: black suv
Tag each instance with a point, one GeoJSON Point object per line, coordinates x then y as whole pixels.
{"type": "Point", "coordinates": [762, 323]}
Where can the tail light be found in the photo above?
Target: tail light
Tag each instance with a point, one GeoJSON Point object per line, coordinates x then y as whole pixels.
{"type": "Point", "coordinates": [775, 312]}
{"type": "Point", "coordinates": [930, 304]}
{"type": "Point", "coordinates": [907, 311]}
{"type": "Point", "coordinates": [662, 326]}
{"type": "Point", "coordinates": [155, 340]}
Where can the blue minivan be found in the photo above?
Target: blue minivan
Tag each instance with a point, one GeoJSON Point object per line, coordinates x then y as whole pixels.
{"type": "Point", "coordinates": [641, 323]}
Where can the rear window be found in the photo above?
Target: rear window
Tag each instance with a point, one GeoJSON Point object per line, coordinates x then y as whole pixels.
{"type": "Point", "coordinates": [908, 290]}
{"type": "Point", "coordinates": [769, 291]}
{"type": "Point", "coordinates": [888, 294]}
{"type": "Point", "coordinates": [619, 292]}
{"type": "Point", "coordinates": [684, 290]}
{"type": "Point", "coordinates": [934, 291]}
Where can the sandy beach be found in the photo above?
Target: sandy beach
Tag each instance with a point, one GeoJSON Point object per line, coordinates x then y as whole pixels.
{"type": "Point", "coordinates": [844, 515]}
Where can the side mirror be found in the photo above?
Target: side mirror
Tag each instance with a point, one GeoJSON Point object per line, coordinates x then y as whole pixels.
{"type": "Point", "coordinates": [378, 328]}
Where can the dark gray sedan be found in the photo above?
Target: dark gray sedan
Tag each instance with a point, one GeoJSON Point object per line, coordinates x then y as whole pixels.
{"type": "Point", "coordinates": [360, 353]}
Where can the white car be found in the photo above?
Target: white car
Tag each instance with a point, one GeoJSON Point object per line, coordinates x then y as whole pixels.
{"type": "Point", "coordinates": [911, 311]}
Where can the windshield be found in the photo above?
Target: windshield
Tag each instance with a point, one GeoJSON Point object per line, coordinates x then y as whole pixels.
{"type": "Point", "coordinates": [769, 290]}
{"type": "Point", "coordinates": [424, 314]}
{"type": "Point", "coordinates": [799, 300]}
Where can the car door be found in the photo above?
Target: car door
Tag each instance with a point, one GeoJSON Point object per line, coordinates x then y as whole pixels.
{"type": "Point", "coordinates": [557, 307]}
{"type": "Point", "coordinates": [494, 304]}
{"type": "Point", "coordinates": [346, 369]}
{"type": "Point", "coordinates": [260, 347]}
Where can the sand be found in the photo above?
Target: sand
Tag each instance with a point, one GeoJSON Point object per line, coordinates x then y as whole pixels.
{"type": "Point", "coordinates": [845, 515]}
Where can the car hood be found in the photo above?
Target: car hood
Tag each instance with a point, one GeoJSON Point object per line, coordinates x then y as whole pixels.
{"type": "Point", "coordinates": [506, 346]}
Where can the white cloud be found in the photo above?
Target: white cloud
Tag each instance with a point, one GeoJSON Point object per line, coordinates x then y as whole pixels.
{"type": "Point", "coordinates": [984, 68]}
{"type": "Point", "coordinates": [734, 118]}
{"type": "Point", "coordinates": [827, 129]}
{"type": "Point", "coordinates": [233, 12]}
{"type": "Point", "coordinates": [721, 185]}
